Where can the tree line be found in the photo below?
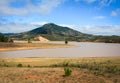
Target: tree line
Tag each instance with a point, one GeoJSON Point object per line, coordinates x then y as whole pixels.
{"type": "Point", "coordinates": [4, 38]}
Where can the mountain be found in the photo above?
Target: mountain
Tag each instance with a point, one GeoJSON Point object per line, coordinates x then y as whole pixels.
{"type": "Point", "coordinates": [53, 32]}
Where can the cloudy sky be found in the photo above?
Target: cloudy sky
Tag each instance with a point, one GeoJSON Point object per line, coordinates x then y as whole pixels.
{"type": "Point", "coordinates": [100, 17]}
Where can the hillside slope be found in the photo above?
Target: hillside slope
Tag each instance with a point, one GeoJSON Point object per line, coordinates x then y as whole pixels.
{"type": "Point", "coordinates": [52, 32]}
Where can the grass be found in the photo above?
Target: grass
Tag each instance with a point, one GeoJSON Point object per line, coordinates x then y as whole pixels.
{"type": "Point", "coordinates": [82, 68]}
{"type": "Point", "coordinates": [97, 66]}
{"type": "Point", "coordinates": [67, 72]}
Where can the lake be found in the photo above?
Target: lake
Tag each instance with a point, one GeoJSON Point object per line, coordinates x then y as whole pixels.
{"type": "Point", "coordinates": [82, 49]}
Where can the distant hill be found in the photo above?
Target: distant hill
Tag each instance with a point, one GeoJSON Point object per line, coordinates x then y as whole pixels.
{"type": "Point", "coordinates": [52, 32]}
{"type": "Point", "coordinates": [55, 32]}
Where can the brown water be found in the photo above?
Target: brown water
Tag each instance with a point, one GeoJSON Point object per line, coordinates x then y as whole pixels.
{"type": "Point", "coordinates": [85, 49]}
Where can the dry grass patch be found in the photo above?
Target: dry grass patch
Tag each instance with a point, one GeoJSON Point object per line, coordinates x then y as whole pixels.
{"type": "Point", "coordinates": [46, 75]}
{"type": "Point", "coordinates": [84, 70]}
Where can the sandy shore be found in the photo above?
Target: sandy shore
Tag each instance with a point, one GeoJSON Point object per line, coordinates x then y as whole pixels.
{"type": "Point", "coordinates": [29, 46]}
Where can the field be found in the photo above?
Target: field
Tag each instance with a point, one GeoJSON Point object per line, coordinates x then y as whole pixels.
{"type": "Point", "coordinates": [25, 45]}
{"type": "Point", "coordinates": [51, 70]}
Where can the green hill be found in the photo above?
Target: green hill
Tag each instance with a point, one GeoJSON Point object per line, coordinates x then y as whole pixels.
{"type": "Point", "coordinates": [58, 33]}
{"type": "Point", "coordinates": [52, 32]}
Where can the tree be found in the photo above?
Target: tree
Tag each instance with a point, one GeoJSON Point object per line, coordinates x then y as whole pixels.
{"type": "Point", "coordinates": [11, 40]}
{"type": "Point", "coordinates": [29, 40]}
{"type": "Point", "coordinates": [3, 38]}
{"type": "Point", "coordinates": [66, 41]}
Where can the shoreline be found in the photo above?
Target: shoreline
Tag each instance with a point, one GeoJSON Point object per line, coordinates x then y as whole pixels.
{"type": "Point", "coordinates": [30, 46]}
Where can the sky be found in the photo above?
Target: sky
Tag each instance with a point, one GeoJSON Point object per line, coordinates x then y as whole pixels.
{"type": "Point", "coordinates": [98, 17]}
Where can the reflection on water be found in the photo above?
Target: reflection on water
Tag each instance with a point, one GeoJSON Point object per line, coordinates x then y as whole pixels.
{"type": "Point", "coordinates": [81, 50]}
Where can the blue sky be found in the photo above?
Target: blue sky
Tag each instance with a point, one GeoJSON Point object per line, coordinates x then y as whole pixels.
{"type": "Point", "coordinates": [99, 17]}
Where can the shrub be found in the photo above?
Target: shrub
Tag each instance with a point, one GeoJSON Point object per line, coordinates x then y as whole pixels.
{"type": "Point", "coordinates": [65, 64]}
{"type": "Point", "coordinates": [5, 65]}
{"type": "Point", "coordinates": [11, 41]}
{"type": "Point", "coordinates": [67, 71]}
{"type": "Point", "coordinates": [66, 42]}
{"type": "Point", "coordinates": [54, 65]}
{"type": "Point", "coordinates": [20, 65]}
{"type": "Point", "coordinates": [29, 40]}
{"type": "Point", "coordinates": [28, 66]}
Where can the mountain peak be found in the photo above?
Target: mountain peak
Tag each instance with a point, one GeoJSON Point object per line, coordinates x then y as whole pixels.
{"type": "Point", "coordinates": [49, 24]}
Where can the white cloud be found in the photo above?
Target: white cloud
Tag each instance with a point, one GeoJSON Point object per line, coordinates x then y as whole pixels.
{"type": "Point", "coordinates": [39, 23]}
{"type": "Point", "coordinates": [105, 2]}
{"type": "Point", "coordinates": [99, 3]}
{"type": "Point", "coordinates": [67, 25]}
{"type": "Point", "coordinates": [16, 27]}
{"type": "Point", "coordinates": [101, 30]}
{"type": "Point", "coordinates": [98, 17]}
{"type": "Point", "coordinates": [90, 1]}
{"type": "Point", "coordinates": [115, 12]}
{"type": "Point", "coordinates": [96, 30]}
{"type": "Point", "coordinates": [42, 7]}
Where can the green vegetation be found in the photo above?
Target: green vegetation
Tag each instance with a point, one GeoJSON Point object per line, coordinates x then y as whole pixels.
{"type": "Point", "coordinates": [66, 42]}
{"type": "Point", "coordinates": [29, 40]}
{"type": "Point", "coordinates": [106, 39]}
{"type": "Point", "coordinates": [28, 66]}
{"type": "Point", "coordinates": [19, 65]}
{"type": "Point", "coordinates": [67, 71]}
{"type": "Point", "coordinates": [95, 67]}
{"type": "Point", "coordinates": [3, 38]}
{"type": "Point", "coordinates": [10, 41]}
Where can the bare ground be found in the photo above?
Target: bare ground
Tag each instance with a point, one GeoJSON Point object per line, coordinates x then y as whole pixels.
{"type": "Point", "coordinates": [47, 75]}
{"type": "Point", "coordinates": [51, 70]}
